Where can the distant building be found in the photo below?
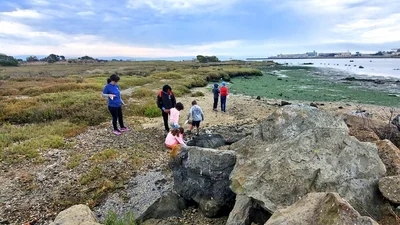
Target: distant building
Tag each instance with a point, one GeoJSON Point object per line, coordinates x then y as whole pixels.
{"type": "Point", "coordinates": [335, 54]}
{"type": "Point", "coordinates": [312, 54]}
{"type": "Point", "coordinates": [327, 54]}
{"type": "Point", "coordinates": [343, 54]}
{"type": "Point", "coordinates": [292, 56]}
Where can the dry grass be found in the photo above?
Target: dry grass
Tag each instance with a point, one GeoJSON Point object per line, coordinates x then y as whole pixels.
{"type": "Point", "coordinates": [62, 99]}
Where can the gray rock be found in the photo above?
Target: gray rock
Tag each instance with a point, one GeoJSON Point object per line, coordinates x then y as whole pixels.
{"type": "Point", "coordinates": [169, 205]}
{"type": "Point", "coordinates": [301, 149]}
{"type": "Point", "coordinates": [235, 138]}
{"type": "Point", "coordinates": [390, 156]}
{"type": "Point", "coordinates": [202, 175]}
{"type": "Point", "coordinates": [76, 215]}
{"type": "Point", "coordinates": [144, 196]}
{"type": "Point", "coordinates": [319, 209]}
{"type": "Point", "coordinates": [240, 214]}
{"type": "Point", "coordinates": [390, 188]}
{"type": "Point", "coordinates": [247, 211]}
{"type": "Point", "coordinates": [207, 141]}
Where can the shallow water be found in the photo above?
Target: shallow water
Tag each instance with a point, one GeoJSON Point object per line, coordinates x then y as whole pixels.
{"type": "Point", "coordinates": [318, 85]}
{"type": "Point", "coordinates": [372, 67]}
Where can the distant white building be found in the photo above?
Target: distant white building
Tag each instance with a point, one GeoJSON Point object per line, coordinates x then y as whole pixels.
{"type": "Point", "coordinates": [343, 54]}
{"type": "Point", "coordinates": [292, 56]}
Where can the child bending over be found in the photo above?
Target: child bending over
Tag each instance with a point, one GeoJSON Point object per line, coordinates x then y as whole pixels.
{"type": "Point", "coordinates": [174, 138]}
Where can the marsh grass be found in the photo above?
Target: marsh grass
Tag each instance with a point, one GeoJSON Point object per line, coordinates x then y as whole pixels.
{"type": "Point", "coordinates": [18, 143]}
{"type": "Point", "coordinates": [105, 155]}
{"type": "Point", "coordinates": [113, 219]}
{"type": "Point", "coordinates": [75, 160]}
{"type": "Point", "coordinates": [94, 174]}
{"type": "Point", "coordinates": [62, 99]}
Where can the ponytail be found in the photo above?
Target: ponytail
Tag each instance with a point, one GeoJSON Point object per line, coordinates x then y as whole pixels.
{"type": "Point", "coordinates": [114, 78]}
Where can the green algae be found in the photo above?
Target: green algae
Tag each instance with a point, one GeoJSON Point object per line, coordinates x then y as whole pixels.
{"type": "Point", "coordinates": [312, 85]}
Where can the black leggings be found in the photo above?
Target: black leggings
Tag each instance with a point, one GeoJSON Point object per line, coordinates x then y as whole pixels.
{"type": "Point", "coordinates": [165, 118]}
{"type": "Point", "coordinates": [116, 113]}
{"type": "Point", "coordinates": [215, 103]}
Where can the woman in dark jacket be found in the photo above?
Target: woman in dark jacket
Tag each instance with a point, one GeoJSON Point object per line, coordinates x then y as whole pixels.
{"type": "Point", "coordinates": [216, 96]}
{"type": "Point", "coordinates": [166, 101]}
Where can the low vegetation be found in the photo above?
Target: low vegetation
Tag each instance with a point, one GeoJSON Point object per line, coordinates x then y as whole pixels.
{"type": "Point", "coordinates": [19, 143]}
{"type": "Point", "coordinates": [60, 100]}
{"type": "Point", "coordinates": [198, 94]}
{"type": "Point", "coordinates": [113, 219]}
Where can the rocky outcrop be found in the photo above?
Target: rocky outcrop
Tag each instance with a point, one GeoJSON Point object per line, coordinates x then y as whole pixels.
{"type": "Point", "coordinates": [301, 149]}
{"type": "Point", "coordinates": [319, 209]}
{"type": "Point", "coordinates": [202, 175]}
{"type": "Point", "coordinates": [169, 205]}
{"type": "Point", "coordinates": [390, 156]}
{"type": "Point", "coordinates": [76, 215]}
{"type": "Point", "coordinates": [146, 196]}
{"type": "Point", "coordinates": [390, 188]}
{"type": "Point", "coordinates": [207, 141]}
{"type": "Point", "coordinates": [247, 211]}
{"type": "Point", "coordinates": [389, 216]}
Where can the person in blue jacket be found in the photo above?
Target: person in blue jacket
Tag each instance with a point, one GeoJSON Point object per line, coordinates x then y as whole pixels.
{"type": "Point", "coordinates": [112, 93]}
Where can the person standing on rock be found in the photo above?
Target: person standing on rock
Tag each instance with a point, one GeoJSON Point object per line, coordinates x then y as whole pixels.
{"type": "Point", "coordinates": [224, 95]}
{"type": "Point", "coordinates": [216, 96]}
{"type": "Point", "coordinates": [166, 101]}
{"type": "Point", "coordinates": [112, 93]}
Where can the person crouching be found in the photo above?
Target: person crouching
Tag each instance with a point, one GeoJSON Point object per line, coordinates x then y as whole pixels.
{"type": "Point", "coordinates": [174, 138]}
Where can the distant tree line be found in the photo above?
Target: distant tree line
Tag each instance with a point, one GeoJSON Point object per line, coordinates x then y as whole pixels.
{"type": "Point", "coordinates": [207, 59]}
{"type": "Point", "coordinates": [6, 60]}
{"type": "Point", "coordinates": [52, 58]}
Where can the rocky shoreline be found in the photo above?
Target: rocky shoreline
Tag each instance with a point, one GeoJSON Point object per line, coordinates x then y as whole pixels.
{"type": "Point", "coordinates": [48, 187]}
{"type": "Point", "coordinates": [298, 166]}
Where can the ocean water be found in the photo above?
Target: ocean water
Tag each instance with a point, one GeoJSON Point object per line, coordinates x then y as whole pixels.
{"type": "Point", "coordinates": [389, 68]}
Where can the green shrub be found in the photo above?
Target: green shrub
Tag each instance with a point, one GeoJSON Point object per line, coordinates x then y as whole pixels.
{"type": "Point", "coordinates": [152, 111]}
{"type": "Point", "coordinates": [168, 75]}
{"type": "Point", "coordinates": [181, 90]}
{"type": "Point", "coordinates": [105, 155]}
{"type": "Point", "coordinates": [74, 161]}
{"type": "Point", "coordinates": [127, 219]}
{"type": "Point", "coordinates": [30, 148]}
{"type": "Point", "coordinates": [198, 94]}
{"type": "Point", "coordinates": [90, 176]}
{"type": "Point", "coordinates": [143, 92]}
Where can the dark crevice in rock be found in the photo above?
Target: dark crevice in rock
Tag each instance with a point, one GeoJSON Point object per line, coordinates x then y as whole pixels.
{"type": "Point", "coordinates": [258, 215]}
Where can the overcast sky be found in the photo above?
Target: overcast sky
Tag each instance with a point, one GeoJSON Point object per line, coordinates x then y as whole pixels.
{"type": "Point", "coordinates": [172, 28]}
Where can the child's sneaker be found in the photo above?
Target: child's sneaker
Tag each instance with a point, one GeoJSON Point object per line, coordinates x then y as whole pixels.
{"type": "Point", "coordinates": [117, 132]}
{"type": "Point", "coordinates": [125, 129]}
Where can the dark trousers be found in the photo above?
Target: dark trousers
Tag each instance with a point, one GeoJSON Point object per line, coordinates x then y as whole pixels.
{"type": "Point", "coordinates": [215, 103]}
{"type": "Point", "coordinates": [223, 103]}
{"type": "Point", "coordinates": [116, 113]}
{"type": "Point", "coordinates": [165, 118]}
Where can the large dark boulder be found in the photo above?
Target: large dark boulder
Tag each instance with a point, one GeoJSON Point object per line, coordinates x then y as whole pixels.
{"type": "Point", "coordinates": [202, 175]}
{"type": "Point", "coordinates": [207, 141]}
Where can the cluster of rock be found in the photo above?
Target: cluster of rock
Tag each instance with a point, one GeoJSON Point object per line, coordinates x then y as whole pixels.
{"type": "Point", "coordinates": [300, 166]}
